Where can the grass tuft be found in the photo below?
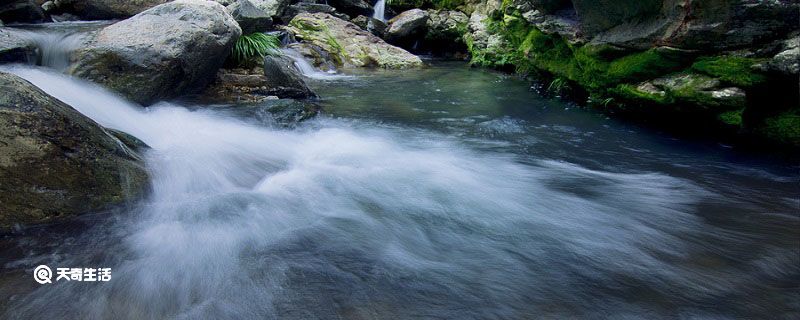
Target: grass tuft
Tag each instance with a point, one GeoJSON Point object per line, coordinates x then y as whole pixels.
{"type": "Point", "coordinates": [254, 46]}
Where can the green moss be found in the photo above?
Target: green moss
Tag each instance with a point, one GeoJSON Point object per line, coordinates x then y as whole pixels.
{"type": "Point", "coordinates": [733, 118]}
{"type": "Point", "coordinates": [784, 128]}
{"type": "Point", "coordinates": [641, 66]}
{"type": "Point", "coordinates": [630, 92]}
{"type": "Point", "coordinates": [734, 70]}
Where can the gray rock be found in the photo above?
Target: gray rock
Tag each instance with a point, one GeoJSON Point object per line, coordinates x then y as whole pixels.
{"type": "Point", "coordinates": [446, 25]}
{"type": "Point", "coordinates": [283, 79]}
{"type": "Point", "coordinates": [352, 8]}
{"type": "Point", "coordinates": [168, 50]}
{"type": "Point", "coordinates": [55, 162]}
{"type": "Point", "coordinates": [787, 61]}
{"type": "Point", "coordinates": [273, 8]}
{"type": "Point", "coordinates": [105, 9]}
{"type": "Point", "coordinates": [250, 18]}
{"type": "Point", "coordinates": [374, 26]}
{"type": "Point", "coordinates": [21, 11]}
{"type": "Point", "coordinates": [407, 25]}
{"type": "Point", "coordinates": [692, 25]}
{"type": "Point", "coordinates": [696, 89]}
{"type": "Point", "coordinates": [14, 48]}
{"type": "Point", "coordinates": [307, 7]}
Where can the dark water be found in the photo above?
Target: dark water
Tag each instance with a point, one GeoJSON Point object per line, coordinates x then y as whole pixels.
{"type": "Point", "coordinates": [449, 193]}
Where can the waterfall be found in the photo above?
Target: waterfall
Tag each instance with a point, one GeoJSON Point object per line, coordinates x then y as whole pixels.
{"type": "Point", "coordinates": [308, 70]}
{"type": "Point", "coordinates": [380, 8]}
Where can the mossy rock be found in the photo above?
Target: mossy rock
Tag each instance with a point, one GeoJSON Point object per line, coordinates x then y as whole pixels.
{"type": "Point", "coordinates": [55, 162]}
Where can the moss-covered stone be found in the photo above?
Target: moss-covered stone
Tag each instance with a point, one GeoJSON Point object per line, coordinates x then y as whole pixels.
{"type": "Point", "coordinates": [784, 128]}
{"type": "Point", "coordinates": [56, 162]}
{"type": "Point", "coordinates": [737, 71]}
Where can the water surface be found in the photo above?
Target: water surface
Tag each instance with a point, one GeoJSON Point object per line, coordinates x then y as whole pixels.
{"type": "Point", "coordinates": [447, 192]}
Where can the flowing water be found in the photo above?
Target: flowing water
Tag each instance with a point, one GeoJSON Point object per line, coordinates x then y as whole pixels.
{"type": "Point", "coordinates": [446, 192]}
{"type": "Point", "coordinates": [380, 9]}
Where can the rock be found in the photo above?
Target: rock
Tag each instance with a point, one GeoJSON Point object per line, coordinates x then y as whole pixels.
{"type": "Point", "coordinates": [315, 54]}
{"type": "Point", "coordinates": [486, 47]}
{"type": "Point", "coordinates": [352, 8]}
{"type": "Point", "coordinates": [48, 6]}
{"type": "Point", "coordinates": [21, 11]}
{"type": "Point", "coordinates": [14, 48]}
{"type": "Point", "coordinates": [55, 162]}
{"type": "Point", "coordinates": [695, 89]}
{"type": "Point", "coordinates": [307, 7]}
{"type": "Point", "coordinates": [787, 61]}
{"type": "Point", "coordinates": [445, 30]}
{"type": "Point", "coordinates": [686, 24]}
{"type": "Point", "coordinates": [407, 26]}
{"type": "Point", "coordinates": [278, 80]}
{"type": "Point", "coordinates": [347, 44]}
{"type": "Point", "coordinates": [105, 9]}
{"type": "Point", "coordinates": [168, 50]}
{"type": "Point", "coordinates": [563, 23]}
{"type": "Point", "coordinates": [273, 8]}
{"type": "Point", "coordinates": [250, 18]}
{"type": "Point", "coordinates": [374, 26]}
{"type": "Point", "coordinates": [545, 7]}
{"type": "Point", "coordinates": [283, 79]}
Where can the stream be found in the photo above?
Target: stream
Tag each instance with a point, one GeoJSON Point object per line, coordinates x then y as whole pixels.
{"type": "Point", "coordinates": [441, 193]}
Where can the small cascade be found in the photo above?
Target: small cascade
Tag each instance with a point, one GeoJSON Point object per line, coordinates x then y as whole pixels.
{"type": "Point", "coordinates": [55, 42]}
{"type": "Point", "coordinates": [380, 9]}
{"type": "Point", "coordinates": [308, 70]}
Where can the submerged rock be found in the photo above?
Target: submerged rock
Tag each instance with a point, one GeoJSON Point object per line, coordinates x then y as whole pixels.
{"type": "Point", "coordinates": [105, 9]}
{"type": "Point", "coordinates": [171, 49]}
{"type": "Point", "coordinates": [56, 162]}
{"type": "Point", "coordinates": [348, 45]}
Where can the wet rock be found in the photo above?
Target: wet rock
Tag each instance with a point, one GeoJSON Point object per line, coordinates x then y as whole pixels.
{"type": "Point", "coordinates": [105, 9]}
{"type": "Point", "coordinates": [407, 26]}
{"type": "Point", "coordinates": [14, 48]}
{"type": "Point", "coordinates": [176, 48]}
{"type": "Point", "coordinates": [283, 79]}
{"type": "Point", "coordinates": [21, 11]}
{"type": "Point", "coordinates": [306, 7]}
{"type": "Point", "coordinates": [250, 18]}
{"type": "Point", "coordinates": [347, 44]}
{"type": "Point", "coordinates": [273, 8]}
{"type": "Point", "coordinates": [55, 162]}
{"type": "Point", "coordinates": [316, 55]}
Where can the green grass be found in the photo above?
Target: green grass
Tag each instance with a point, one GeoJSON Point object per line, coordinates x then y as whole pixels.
{"type": "Point", "coordinates": [254, 46]}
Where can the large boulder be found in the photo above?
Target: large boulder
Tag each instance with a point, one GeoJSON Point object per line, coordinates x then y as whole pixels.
{"type": "Point", "coordinates": [407, 26]}
{"type": "Point", "coordinates": [105, 9]}
{"type": "Point", "coordinates": [250, 18]}
{"type": "Point", "coordinates": [273, 8]}
{"type": "Point", "coordinates": [14, 48]}
{"type": "Point", "coordinates": [445, 31]}
{"type": "Point", "coordinates": [785, 62]}
{"type": "Point", "coordinates": [347, 44]}
{"type": "Point", "coordinates": [693, 25]}
{"type": "Point", "coordinates": [168, 50]}
{"type": "Point", "coordinates": [56, 162]}
{"type": "Point", "coordinates": [21, 11]}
